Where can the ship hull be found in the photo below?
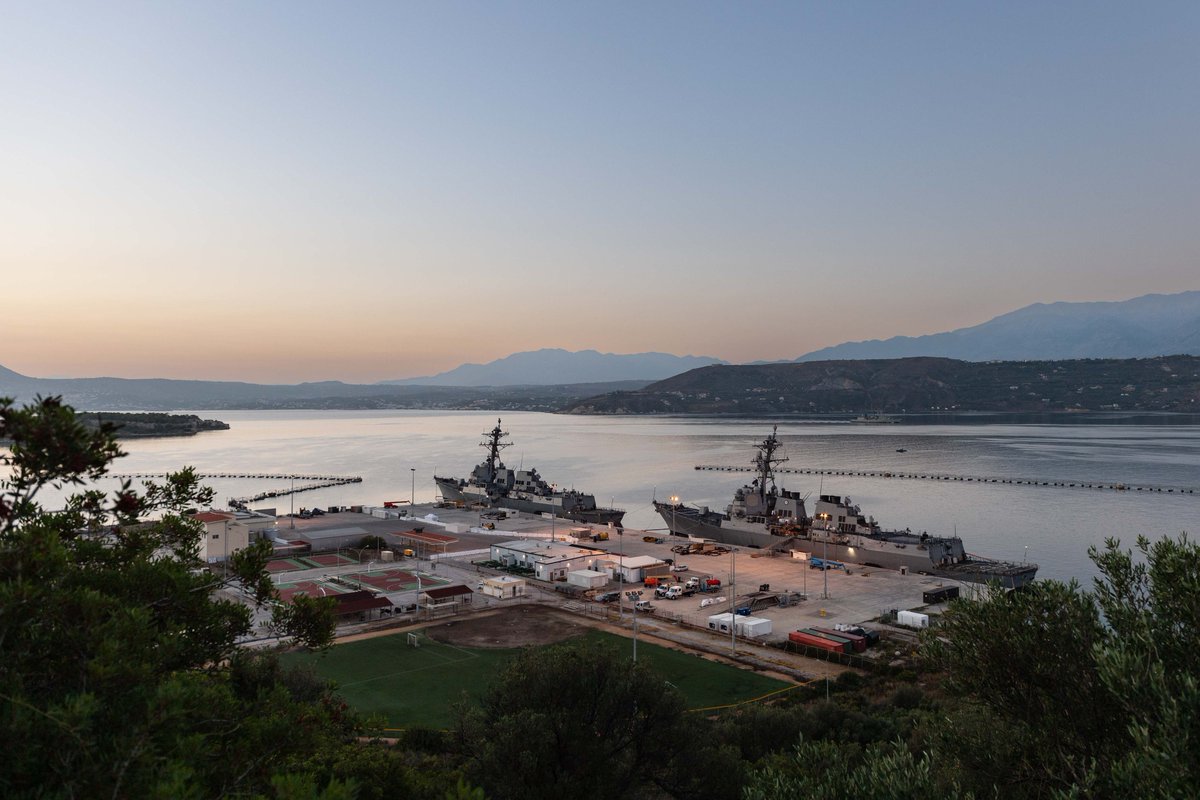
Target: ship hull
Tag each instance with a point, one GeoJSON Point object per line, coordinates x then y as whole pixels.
{"type": "Point", "coordinates": [865, 552]}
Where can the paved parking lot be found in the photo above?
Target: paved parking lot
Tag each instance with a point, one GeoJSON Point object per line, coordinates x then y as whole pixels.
{"type": "Point", "coordinates": [860, 595]}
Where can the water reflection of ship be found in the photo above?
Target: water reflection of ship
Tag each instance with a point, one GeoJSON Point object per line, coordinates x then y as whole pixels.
{"type": "Point", "coordinates": [494, 484]}
{"type": "Point", "coordinates": [766, 516]}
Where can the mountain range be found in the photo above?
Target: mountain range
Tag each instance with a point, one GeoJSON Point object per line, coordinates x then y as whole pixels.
{"type": "Point", "coordinates": [547, 379]}
{"type": "Point", "coordinates": [552, 366]}
{"type": "Point", "coordinates": [1147, 326]}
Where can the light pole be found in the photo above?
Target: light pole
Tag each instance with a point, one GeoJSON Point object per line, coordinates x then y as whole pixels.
{"type": "Point", "coordinates": [635, 618]}
{"type": "Point", "coordinates": [825, 559]}
{"type": "Point", "coordinates": [621, 582]}
{"type": "Point", "coordinates": [417, 575]}
{"type": "Point", "coordinates": [674, 503]}
{"type": "Point", "coordinates": [292, 500]}
{"type": "Point", "coordinates": [732, 601]}
{"type": "Point", "coordinates": [412, 498]}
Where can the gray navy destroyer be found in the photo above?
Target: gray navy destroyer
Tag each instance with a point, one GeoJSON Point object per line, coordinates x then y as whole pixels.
{"type": "Point", "coordinates": [493, 484]}
{"type": "Point", "coordinates": [765, 516]}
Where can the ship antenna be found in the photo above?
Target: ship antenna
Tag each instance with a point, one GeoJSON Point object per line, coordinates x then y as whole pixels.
{"type": "Point", "coordinates": [766, 461]}
{"type": "Point", "coordinates": [493, 444]}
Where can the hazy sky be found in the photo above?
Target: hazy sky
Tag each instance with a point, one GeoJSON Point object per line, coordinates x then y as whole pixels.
{"type": "Point", "coordinates": [358, 191]}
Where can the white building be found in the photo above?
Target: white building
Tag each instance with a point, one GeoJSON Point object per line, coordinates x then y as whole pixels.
{"type": "Point", "coordinates": [224, 535]}
{"type": "Point", "coordinates": [502, 586]}
{"type": "Point", "coordinates": [550, 561]}
{"type": "Point", "coordinates": [635, 569]}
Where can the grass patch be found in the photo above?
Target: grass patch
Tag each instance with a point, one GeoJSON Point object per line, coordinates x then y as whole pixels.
{"type": "Point", "coordinates": [416, 685]}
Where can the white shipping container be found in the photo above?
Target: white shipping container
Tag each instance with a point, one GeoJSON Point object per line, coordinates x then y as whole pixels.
{"type": "Point", "coordinates": [913, 619]}
{"type": "Point", "coordinates": [588, 579]}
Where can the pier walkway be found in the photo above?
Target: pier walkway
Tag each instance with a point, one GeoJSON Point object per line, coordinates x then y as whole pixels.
{"type": "Point", "coordinates": [934, 476]}
{"type": "Point", "coordinates": [308, 483]}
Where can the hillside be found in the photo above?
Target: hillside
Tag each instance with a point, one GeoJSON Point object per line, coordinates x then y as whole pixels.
{"type": "Point", "coordinates": [131, 426]}
{"type": "Point", "coordinates": [552, 366]}
{"type": "Point", "coordinates": [917, 385]}
{"type": "Point", "coordinates": [155, 394]}
{"type": "Point", "coordinates": [1144, 327]}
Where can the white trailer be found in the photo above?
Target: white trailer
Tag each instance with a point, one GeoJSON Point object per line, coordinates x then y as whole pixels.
{"type": "Point", "coordinates": [912, 619]}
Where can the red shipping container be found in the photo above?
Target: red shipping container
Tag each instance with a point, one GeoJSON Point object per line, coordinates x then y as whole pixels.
{"type": "Point", "coordinates": [800, 637]}
{"type": "Point", "coordinates": [859, 642]}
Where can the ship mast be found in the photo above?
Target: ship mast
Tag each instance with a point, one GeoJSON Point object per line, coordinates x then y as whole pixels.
{"type": "Point", "coordinates": [765, 462]}
{"type": "Point", "coordinates": [493, 445]}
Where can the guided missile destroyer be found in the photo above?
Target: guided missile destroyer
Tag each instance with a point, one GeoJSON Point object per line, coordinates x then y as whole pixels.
{"type": "Point", "coordinates": [493, 484]}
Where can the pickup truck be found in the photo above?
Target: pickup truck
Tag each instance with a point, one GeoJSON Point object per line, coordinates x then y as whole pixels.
{"type": "Point", "coordinates": [643, 605]}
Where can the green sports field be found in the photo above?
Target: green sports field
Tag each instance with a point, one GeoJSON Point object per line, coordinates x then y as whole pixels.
{"type": "Point", "coordinates": [409, 685]}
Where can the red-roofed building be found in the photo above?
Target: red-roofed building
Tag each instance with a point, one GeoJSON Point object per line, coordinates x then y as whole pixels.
{"type": "Point", "coordinates": [447, 597]}
{"type": "Point", "coordinates": [363, 603]}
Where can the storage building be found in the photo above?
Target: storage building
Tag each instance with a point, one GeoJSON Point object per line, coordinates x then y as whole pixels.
{"type": "Point", "coordinates": [502, 587]}
{"type": "Point", "coordinates": [636, 569]}
{"type": "Point", "coordinates": [587, 578]}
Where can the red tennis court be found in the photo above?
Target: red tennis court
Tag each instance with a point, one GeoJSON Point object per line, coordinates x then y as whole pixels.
{"type": "Point", "coordinates": [393, 580]}
{"type": "Point", "coordinates": [286, 565]}
{"type": "Point", "coordinates": [329, 560]}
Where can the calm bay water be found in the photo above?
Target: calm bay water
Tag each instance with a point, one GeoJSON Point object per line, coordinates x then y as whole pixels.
{"type": "Point", "coordinates": [627, 460]}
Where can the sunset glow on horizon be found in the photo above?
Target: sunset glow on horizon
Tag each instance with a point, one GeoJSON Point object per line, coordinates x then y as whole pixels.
{"type": "Point", "coordinates": [279, 193]}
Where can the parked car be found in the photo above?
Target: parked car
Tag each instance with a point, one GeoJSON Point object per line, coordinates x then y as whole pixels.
{"type": "Point", "coordinates": [679, 568]}
{"type": "Point", "coordinates": [608, 597]}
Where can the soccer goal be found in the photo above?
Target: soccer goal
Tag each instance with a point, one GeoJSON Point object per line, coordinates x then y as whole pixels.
{"type": "Point", "coordinates": [414, 639]}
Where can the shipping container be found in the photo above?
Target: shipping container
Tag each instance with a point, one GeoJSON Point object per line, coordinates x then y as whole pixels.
{"type": "Point", "coordinates": [858, 642]}
{"type": "Point", "coordinates": [940, 595]}
{"type": "Point", "coordinates": [847, 645]}
{"type": "Point", "coordinates": [800, 637]}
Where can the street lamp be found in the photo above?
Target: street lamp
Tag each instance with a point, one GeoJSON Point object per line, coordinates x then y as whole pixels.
{"type": "Point", "coordinates": [825, 550]}
{"type": "Point", "coordinates": [732, 601]}
{"type": "Point", "coordinates": [674, 504]}
{"type": "Point", "coordinates": [621, 582]}
{"type": "Point", "coordinates": [635, 618]}
{"type": "Point", "coordinates": [412, 498]}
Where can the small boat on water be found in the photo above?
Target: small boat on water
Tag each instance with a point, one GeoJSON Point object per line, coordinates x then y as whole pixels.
{"type": "Point", "coordinates": [875, 418]}
{"type": "Point", "coordinates": [493, 484]}
{"type": "Point", "coordinates": [763, 515]}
